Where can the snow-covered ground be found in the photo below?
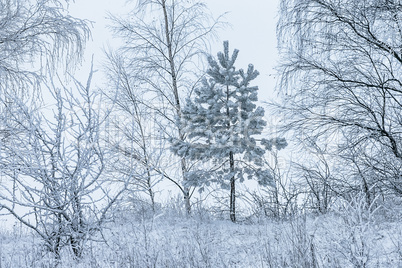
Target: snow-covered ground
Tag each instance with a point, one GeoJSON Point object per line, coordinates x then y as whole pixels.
{"type": "Point", "coordinates": [350, 237]}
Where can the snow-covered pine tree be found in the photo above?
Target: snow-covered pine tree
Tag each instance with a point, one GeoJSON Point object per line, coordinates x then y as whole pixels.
{"type": "Point", "coordinates": [220, 123]}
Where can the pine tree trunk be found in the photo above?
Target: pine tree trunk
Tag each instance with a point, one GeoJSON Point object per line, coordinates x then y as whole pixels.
{"type": "Point", "coordinates": [232, 205]}
{"type": "Point", "coordinates": [232, 190]}
{"type": "Point", "coordinates": [187, 200]}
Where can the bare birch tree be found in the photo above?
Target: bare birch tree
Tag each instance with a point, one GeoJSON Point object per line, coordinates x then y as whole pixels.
{"type": "Point", "coordinates": [134, 132]}
{"type": "Point", "coordinates": [35, 36]}
{"type": "Point", "coordinates": [163, 40]}
{"type": "Point", "coordinates": [341, 77]}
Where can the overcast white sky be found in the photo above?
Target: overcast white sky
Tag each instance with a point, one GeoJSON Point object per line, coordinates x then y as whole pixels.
{"type": "Point", "coordinates": [252, 32]}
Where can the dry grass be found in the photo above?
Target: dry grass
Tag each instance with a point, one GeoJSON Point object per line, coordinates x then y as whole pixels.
{"type": "Point", "coordinates": [352, 237]}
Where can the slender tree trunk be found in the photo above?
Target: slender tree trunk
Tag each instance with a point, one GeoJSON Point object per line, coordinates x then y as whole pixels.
{"type": "Point", "coordinates": [365, 185]}
{"type": "Point", "coordinates": [366, 191]}
{"type": "Point", "coordinates": [232, 190]}
{"type": "Point", "coordinates": [77, 225]}
{"type": "Point", "coordinates": [186, 190]}
{"type": "Point", "coordinates": [276, 201]}
{"type": "Point", "coordinates": [325, 194]}
{"type": "Point", "coordinates": [149, 176]}
{"type": "Point", "coordinates": [150, 191]}
{"type": "Point", "coordinates": [146, 160]}
{"type": "Point", "coordinates": [57, 245]}
{"type": "Point", "coordinates": [232, 205]}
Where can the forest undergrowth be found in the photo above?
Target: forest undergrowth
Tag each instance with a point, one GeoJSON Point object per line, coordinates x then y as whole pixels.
{"type": "Point", "coordinates": [352, 235]}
